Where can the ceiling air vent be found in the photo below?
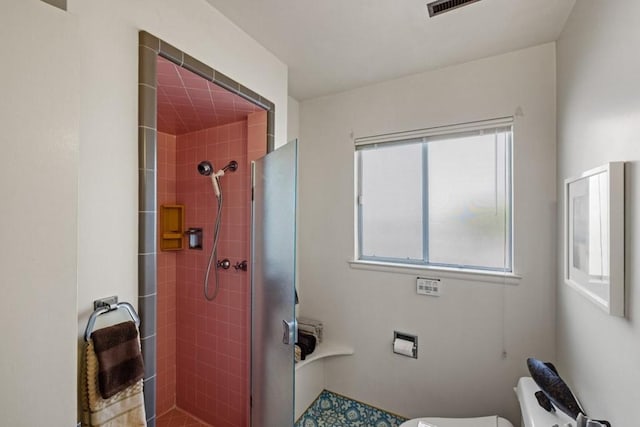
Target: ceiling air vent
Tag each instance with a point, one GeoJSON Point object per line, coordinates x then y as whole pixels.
{"type": "Point", "coordinates": [441, 6]}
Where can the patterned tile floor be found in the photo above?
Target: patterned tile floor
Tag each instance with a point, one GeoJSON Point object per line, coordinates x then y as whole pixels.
{"type": "Point", "coordinates": [177, 418]}
{"type": "Point", "coordinates": [332, 410]}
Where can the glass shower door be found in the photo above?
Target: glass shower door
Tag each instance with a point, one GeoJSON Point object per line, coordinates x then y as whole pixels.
{"type": "Point", "coordinates": [272, 292]}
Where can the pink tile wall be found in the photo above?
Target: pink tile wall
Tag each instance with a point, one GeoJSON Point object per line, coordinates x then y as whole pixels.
{"type": "Point", "coordinates": [203, 347]}
{"type": "Point", "coordinates": [256, 135]}
{"type": "Point", "coordinates": [166, 273]}
{"type": "Point", "coordinates": [213, 336]}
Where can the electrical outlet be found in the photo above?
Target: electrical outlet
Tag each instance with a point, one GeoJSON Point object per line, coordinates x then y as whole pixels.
{"type": "Point", "coordinates": [426, 286]}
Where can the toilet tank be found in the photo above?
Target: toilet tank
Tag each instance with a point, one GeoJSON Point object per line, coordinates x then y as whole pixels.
{"type": "Point", "coordinates": [533, 415]}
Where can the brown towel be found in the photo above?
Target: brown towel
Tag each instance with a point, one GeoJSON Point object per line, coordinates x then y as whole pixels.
{"type": "Point", "coordinates": [119, 358]}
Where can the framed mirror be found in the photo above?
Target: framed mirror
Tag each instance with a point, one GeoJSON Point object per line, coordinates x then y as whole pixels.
{"type": "Point", "coordinates": [594, 236]}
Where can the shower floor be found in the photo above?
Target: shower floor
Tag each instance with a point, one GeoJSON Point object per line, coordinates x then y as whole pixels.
{"type": "Point", "coordinates": [333, 410]}
{"type": "Point", "coordinates": [177, 418]}
{"type": "Point", "coordinates": [329, 410]}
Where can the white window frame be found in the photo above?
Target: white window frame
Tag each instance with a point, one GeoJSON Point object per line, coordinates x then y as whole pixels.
{"type": "Point", "coordinates": [419, 136]}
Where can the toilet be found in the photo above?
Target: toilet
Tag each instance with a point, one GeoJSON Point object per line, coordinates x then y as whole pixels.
{"type": "Point", "coordinates": [532, 414]}
{"type": "Point", "coordinates": [492, 421]}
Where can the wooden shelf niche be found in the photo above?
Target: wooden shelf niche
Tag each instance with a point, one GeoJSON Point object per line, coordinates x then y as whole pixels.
{"type": "Point", "coordinates": [171, 227]}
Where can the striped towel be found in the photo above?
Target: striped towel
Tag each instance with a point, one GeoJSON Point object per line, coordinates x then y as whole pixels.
{"type": "Point", "coordinates": [125, 408]}
{"type": "Point", "coordinates": [119, 357]}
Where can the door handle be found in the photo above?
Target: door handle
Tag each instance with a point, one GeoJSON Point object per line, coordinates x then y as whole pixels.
{"type": "Point", "coordinates": [288, 332]}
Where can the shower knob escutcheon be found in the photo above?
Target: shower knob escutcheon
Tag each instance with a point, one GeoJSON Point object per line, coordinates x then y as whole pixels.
{"type": "Point", "coordinates": [225, 264]}
{"type": "Point", "coordinates": [241, 265]}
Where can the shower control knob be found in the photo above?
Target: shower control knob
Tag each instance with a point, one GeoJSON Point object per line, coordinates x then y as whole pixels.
{"type": "Point", "coordinates": [224, 264]}
{"type": "Point", "coordinates": [241, 265]}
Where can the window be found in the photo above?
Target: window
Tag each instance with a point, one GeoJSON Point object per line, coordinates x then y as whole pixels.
{"type": "Point", "coordinates": [437, 197]}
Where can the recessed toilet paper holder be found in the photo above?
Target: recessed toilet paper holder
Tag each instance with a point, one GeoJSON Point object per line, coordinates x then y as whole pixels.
{"type": "Point", "coordinates": [405, 344]}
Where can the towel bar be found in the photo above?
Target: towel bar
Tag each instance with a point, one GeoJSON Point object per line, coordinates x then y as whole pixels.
{"type": "Point", "coordinates": [106, 305]}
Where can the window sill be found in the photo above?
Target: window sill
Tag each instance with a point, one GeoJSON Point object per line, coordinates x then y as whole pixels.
{"type": "Point", "coordinates": [450, 273]}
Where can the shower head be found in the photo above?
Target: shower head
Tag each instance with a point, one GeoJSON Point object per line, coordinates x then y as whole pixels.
{"type": "Point", "coordinates": [205, 168]}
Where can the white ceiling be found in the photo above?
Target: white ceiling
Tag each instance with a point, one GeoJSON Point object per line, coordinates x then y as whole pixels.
{"type": "Point", "coordinates": [335, 45]}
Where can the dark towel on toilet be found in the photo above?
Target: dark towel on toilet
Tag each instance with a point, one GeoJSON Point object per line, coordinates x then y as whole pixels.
{"type": "Point", "coordinates": [119, 358]}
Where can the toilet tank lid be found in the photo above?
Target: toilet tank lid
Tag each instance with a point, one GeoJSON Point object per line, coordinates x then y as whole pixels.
{"type": "Point", "coordinates": [533, 415]}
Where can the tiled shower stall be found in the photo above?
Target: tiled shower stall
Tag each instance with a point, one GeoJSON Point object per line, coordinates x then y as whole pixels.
{"type": "Point", "coordinates": [203, 346]}
{"type": "Point", "coordinates": [196, 353]}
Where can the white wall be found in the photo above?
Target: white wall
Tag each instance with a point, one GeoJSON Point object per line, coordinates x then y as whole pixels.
{"type": "Point", "coordinates": [598, 122]}
{"type": "Point", "coordinates": [71, 90]}
{"type": "Point", "coordinates": [460, 371]}
{"type": "Point", "coordinates": [108, 221]}
{"type": "Point", "coordinates": [38, 192]}
{"type": "Point", "coordinates": [293, 119]}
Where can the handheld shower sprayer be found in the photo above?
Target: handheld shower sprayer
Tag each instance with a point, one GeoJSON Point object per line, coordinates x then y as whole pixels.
{"type": "Point", "coordinates": [205, 168]}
